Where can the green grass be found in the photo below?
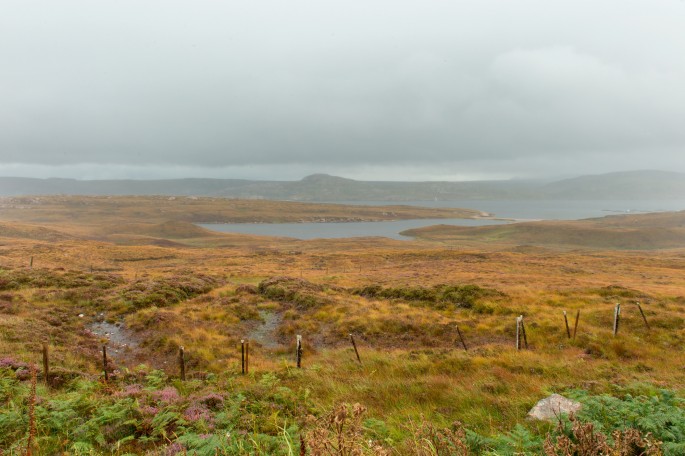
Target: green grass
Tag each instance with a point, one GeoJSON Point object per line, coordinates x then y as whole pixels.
{"type": "Point", "coordinates": [265, 413]}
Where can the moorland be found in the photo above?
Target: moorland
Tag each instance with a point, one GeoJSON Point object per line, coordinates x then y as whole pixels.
{"type": "Point", "coordinates": [137, 275]}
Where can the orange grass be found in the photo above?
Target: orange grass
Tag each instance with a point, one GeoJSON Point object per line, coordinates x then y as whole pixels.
{"type": "Point", "coordinates": [412, 364]}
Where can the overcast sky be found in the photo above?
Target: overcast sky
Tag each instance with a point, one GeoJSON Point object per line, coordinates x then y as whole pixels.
{"type": "Point", "coordinates": [368, 89]}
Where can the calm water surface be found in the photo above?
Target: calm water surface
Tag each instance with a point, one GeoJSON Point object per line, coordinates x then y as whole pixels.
{"type": "Point", "coordinates": [339, 230]}
{"type": "Point", "coordinates": [520, 210]}
{"type": "Point", "coordinates": [550, 210]}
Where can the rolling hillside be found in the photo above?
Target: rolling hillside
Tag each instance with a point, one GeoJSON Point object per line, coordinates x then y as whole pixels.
{"type": "Point", "coordinates": [623, 232]}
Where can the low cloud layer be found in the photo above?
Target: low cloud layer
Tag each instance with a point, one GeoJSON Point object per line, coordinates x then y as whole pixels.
{"type": "Point", "coordinates": [392, 89]}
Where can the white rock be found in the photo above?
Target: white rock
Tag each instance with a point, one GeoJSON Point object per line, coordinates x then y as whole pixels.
{"type": "Point", "coordinates": [550, 408]}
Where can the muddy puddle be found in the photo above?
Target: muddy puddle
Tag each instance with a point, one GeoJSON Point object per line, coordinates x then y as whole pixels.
{"type": "Point", "coordinates": [265, 333]}
{"type": "Point", "coordinates": [121, 342]}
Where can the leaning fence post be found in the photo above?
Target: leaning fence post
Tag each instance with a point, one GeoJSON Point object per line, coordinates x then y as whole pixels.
{"type": "Point", "coordinates": [46, 364]}
{"type": "Point", "coordinates": [461, 338]}
{"type": "Point", "coordinates": [31, 263]}
{"type": "Point", "coordinates": [182, 363]}
{"type": "Point", "coordinates": [568, 331]}
{"type": "Point", "coordinates": [298, 352]}
{"type": "Point", "coordinates": [523, 331]}
{"type": "Point", "coordinates": [617, 316]}
{"type": "Point", "coordinates": [356, 352]}
{"type": "Point", "coordinates": [575, 326]}
{"type": "Point", "coordinates": [643, 315]}
{"type": "Point", "coordinates": [104, 361]}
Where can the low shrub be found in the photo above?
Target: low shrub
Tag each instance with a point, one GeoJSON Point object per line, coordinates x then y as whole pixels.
{"type": "Point", "coordinates": [166, 291]}
{"type": "Point", "coordinates": [439, 296]}
{"type": "Point", "coordinates": [13, 279]}
{"type": "Point", "coordinates": [303, 294]}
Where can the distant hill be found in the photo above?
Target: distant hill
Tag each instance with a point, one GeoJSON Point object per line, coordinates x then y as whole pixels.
{"type": "Point", "coordinates": [625, 185]}
{"type": "Point", "coordinates": [636, 185]}
{"type": "Point", "coordinates": [317, 187]}
{"type": "Point", "coordinates": [17, 230]}
{"type": "Point", "coordinates": [621, 232]}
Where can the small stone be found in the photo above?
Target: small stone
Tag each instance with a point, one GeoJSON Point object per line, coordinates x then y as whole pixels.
{"type": "Point", "coordinates": [550, 408]}
{"type": "Point", "coordinates": [81, 315]}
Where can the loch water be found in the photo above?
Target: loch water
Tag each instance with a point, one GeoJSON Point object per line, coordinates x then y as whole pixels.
{"type": "Point", "coordinates": [501, 209]}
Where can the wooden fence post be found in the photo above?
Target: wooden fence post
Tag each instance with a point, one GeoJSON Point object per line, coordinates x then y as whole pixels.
{"type": "Point", "coordinates": [46, 365]}
{"type": "Point", "coordinates": [617, 316]}
{"type": "Point", "coordinates": [182, 363]}
{"type": "Point", "coordinates": [568, 330]}
{"type": "Point", "coordinates": [104, 362]}
{"type": "Point", "coordinates": [30, 445]}
{"type": "Point", "coordinates": [247, 357]}
{"type": "Point", "coordinates": [518, 333]}
{"type": "Point", "coordinates": [523, 331]}
{"type": "Point", "coordinates": [575, 326]}
{"type": "Point", "coordinates": [298, 353]}
{"type": "Point", "coordinates": [31, 263]}
{"type": "Point", "coordinates": [643, 315]}
{"type": "Point", "coordinates": [242, 356]}
{"type": "Point", "coordinates": [356, 352]}
{"type": "Point", "coordinates": [461, 338]}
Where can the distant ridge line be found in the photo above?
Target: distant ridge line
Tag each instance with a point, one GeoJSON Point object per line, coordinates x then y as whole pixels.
{"type": "Point", "coordinates": [635, 185]}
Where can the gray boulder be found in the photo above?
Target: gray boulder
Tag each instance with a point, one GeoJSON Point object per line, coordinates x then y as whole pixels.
{"type": "Point", "coordinates": [550, 408]}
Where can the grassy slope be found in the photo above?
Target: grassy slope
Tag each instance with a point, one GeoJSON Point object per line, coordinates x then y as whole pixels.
{"type": "Point", "coordinates": [151, 209]}
{"type": "Point", "coordinates": [410, 364]}
{"type": "Point", "coordinates": [26, 231]}
{"type": "Point", "coordinates": [648, 231]}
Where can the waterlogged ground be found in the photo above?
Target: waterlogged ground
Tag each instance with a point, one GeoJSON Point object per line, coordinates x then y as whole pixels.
{"type": "Point", "coordinates": [122, 343]}
{"type": "Point", "coordinates": [265, 334]}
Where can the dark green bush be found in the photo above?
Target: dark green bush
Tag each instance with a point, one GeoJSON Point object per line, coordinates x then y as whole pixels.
{"type": "Point", "coordinates": [303, 294]}
{"type": "Point", "coordinates": [166, 291]}
{"type": "Point", "coordinates": [12, 279]}
{"type": "Point", "coordinates": [439, 296]}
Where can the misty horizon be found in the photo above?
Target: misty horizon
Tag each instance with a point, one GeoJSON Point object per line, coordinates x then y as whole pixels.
{"type": "Point", "coordinates": [328, 175]}
{"type": "Point", "coordinates": [396, 91]}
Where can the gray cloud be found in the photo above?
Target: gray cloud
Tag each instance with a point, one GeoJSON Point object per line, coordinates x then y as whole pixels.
{"type": "Point", "coordinates": [487, 88]}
